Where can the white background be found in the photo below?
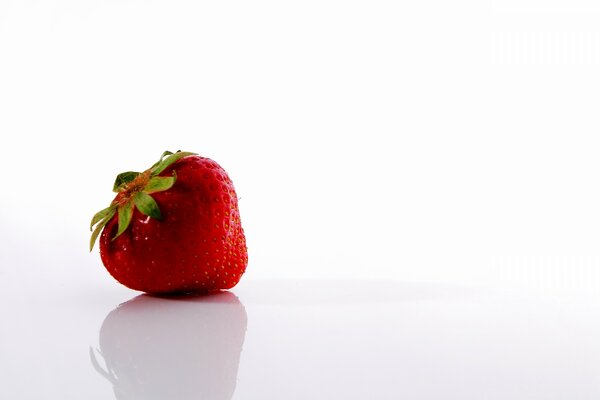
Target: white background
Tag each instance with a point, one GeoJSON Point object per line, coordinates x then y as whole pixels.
{"type": "Point", "coordinates": [451, 143]}
{"type": "Point", "coordinates": [365, 139]}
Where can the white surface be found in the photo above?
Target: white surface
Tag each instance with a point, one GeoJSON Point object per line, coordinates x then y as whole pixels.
{"type": "Point", "coordinates": [301, 339]}
{"type": "Point", "coordinates": [449, 147]}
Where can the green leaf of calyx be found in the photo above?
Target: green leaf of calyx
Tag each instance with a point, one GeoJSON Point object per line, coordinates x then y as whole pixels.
{"type": "Point", "coordinates": [163, 164]}
{"type": "Point", "coordinates": [101, 225]}
{"type": "Point", "coordinates": [125, 214]}
{"type": "Point", "coordinates": [123, 179]}
{"type": "Point", "coordinates": [147, 205]}
{"type": "Point", "coordinates": [164, 154]}
{"type": "Point", "coordinates": [160, 183]}
{"type": "Point", "coordinates": [100, 215]}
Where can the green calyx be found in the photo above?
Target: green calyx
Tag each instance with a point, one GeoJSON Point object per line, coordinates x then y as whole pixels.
{"type": "Point", "coordinates": [134, 190]}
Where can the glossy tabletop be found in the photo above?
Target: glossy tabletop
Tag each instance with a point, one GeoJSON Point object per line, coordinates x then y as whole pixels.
{"type": "Point", "coordinates": [317, 339]}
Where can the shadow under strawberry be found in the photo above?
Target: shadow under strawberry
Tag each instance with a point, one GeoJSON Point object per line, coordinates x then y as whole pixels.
{"type": "Point", "coordinates": [184, 347]}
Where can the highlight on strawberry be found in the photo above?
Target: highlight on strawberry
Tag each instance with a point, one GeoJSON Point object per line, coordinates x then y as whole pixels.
{"type": "Point", "coordinates": [173, 228]}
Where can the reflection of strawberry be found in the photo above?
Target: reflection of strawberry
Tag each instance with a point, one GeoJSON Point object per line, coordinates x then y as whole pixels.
{"type": "Point", "coordinates": [173, 228]}
{"type": "Point", "coordinates": [173, 348]}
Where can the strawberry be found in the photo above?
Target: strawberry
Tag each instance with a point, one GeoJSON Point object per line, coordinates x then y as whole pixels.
{"type": "Point", "coordinates": [174, 228]}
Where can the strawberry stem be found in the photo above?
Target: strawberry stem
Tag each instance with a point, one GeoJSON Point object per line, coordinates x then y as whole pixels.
{"type": "Point", "coordinates": [133, 191]}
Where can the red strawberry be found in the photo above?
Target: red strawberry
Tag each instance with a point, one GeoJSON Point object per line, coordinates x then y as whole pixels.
{"type": "Point", "coordinates": [173, 228]}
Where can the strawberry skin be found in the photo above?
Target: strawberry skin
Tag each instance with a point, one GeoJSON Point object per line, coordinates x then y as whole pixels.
{"type": "Point", "coordinates": [197, 244]}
